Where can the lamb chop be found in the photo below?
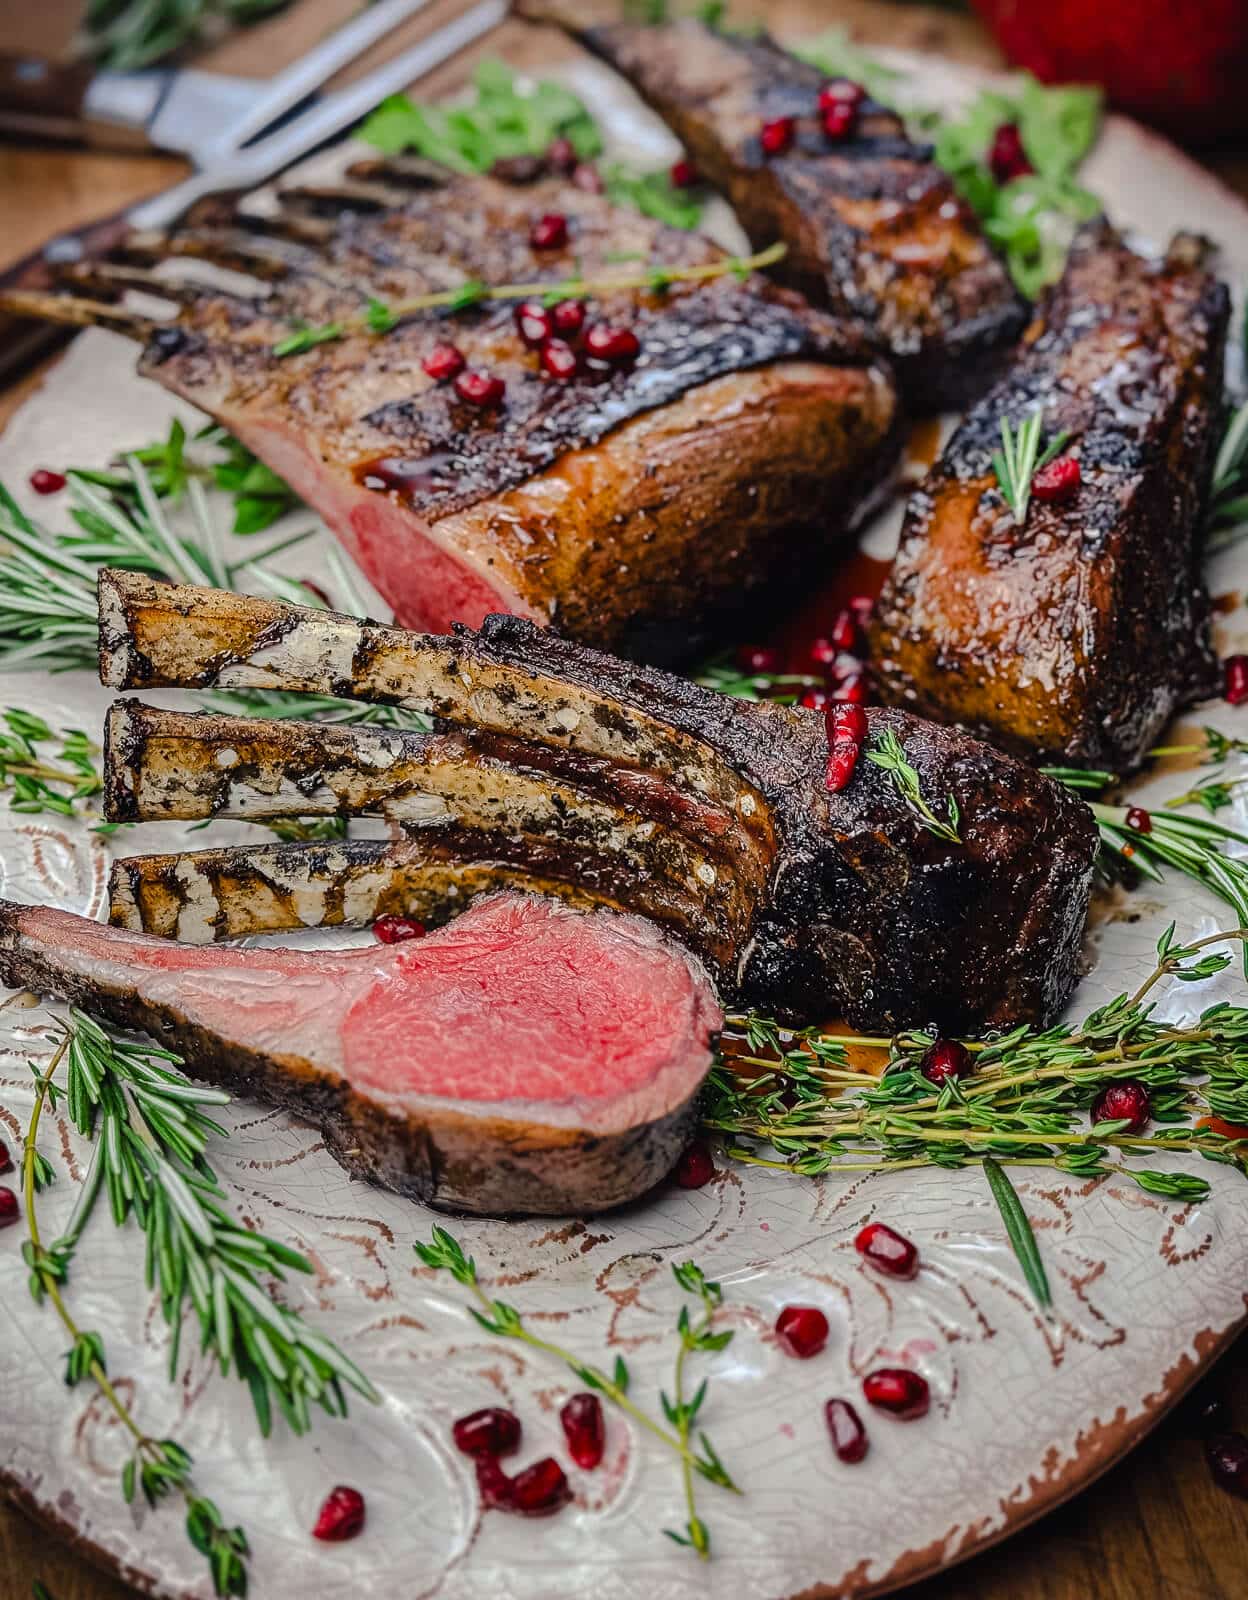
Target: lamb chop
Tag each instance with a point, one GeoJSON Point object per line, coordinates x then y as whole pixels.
{"type": "Point", "coordinates": [556, 767]}
{"type": "Point", "coordinates": [635, 483]}
{"type": "Point", "coordinates": [571, 1091]}
{"type": "Point", "coordinates": [875, 229]}
{"type": "Point", "coordinates": [1077, 634]}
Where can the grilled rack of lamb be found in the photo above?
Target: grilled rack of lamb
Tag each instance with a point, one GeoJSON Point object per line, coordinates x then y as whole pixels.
{"type": "Point", "coordinates": [557, 768]}
{"type": "Point", "coordinates": [1077, 635]}
{"type": "Point", "coordinates": [637, 500]}
{"type": "Point", "coordinates": [875, 230]}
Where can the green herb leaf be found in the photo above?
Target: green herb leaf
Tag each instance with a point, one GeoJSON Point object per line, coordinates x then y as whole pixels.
{"type": "Point", "coordinates": [1019, 1231]}
{"type": "Point", "coordinates": [889, 754]}
{"type": "Point", "coordinates": [1020, 458]}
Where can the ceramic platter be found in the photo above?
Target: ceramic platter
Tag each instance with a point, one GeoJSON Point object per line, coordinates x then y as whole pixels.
{"type": "Point", "coordinates": [1026, 1409]}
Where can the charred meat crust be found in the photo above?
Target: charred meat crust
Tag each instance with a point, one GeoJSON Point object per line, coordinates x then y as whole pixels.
{"type": "Point", "coordinates": [1076, 637]}
{"type": "Point", "coordinates": [875, 230]}
{"type": "Point", "coordinates": [485, 1165]}
{"type": "Point", "coordinates": [844, 900]}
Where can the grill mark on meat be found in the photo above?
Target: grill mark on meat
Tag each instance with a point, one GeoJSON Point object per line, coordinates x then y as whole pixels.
{"type": "Point", "coordinates": [1077, 637]}
{"type": "Point", "coordinates": [849, 903]}
{"type": "Point", "coordinates": [875, 230]}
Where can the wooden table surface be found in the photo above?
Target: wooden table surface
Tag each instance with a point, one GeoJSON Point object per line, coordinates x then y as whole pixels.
{"type": "Point", "coordinates": [1155, 1527]}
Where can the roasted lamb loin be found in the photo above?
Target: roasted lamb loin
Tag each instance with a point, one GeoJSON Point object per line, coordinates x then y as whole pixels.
{"type": "Point", "coordinates": [559, 768]}
{"type": "Point", "coordinates": [721, 440]}
{"type": "Point", "coordinates": [524, 1059]}
{"type": "Point", "coordinates": [1075, 636]}
{"type": "Point", "coordinates": [875, 229]}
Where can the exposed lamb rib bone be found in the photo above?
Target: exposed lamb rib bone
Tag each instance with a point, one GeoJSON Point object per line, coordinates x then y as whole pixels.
{"type": "Point", "coordinates": [112, 277]}
{"type": "Point", "coordinates": [864, 911]}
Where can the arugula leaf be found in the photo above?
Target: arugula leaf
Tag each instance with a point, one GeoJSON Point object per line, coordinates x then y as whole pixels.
{"type": "Point", "coordinates": [836, 54]}
{"type": "Point", "coordinates": [653, 194]}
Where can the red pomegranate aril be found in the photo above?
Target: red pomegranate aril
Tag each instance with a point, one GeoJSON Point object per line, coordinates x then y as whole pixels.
{"type": "Point", "coordinates": [534, 323]}
{"type": "Point", "coordinates": [605, 343]}
{"type": "Point", "coordinates": [549, 232]}
{"type": "Point", "coordinates": [1125, 1101]}
{"type": "Point", "coordinates": [847, 730]}
{"type": "Point", "coordinates": [8, 1208]}
{"type": "Point", "coordinates": [683, 174]}
{"type": "Point", "coordinates": [863, 608]}
{"type": "Point", "coordinates": [1139, 819]}
{"type": "Point", "coordinates": [1058, 481]}
{"type": "Point", "coordinates": [585, 1429]}
{"type": "Point", "coordinates": [44, 481]}
{"type": "Point", "coordinates": [481, 389]}
{"type": "Point", "coordinates": [559, 360]}
{"type": "Point", "coordinates": [849, 1437]}
{"type": "Point", "coordinates": [851, 691]}
{"type": "Point", "coordinates": [840, 92]}
{"type": "Point", "coordinates": [802, 1331]}
{"type": "Point", "coordinates": [888, 1250]}
{"type": "Point", "coordinates": [6, 1160]}
{"type": "Point", "coordinates": [540, 1490]}
{"type": "Point", "coordinates": [1227, 1455]}
{"type": "Point", "coordinates": [492, 1432]}
{"type": "Point", "coordinates": [394, 930]}
{"type": "Point", "coordinates": [823, 653]}
{"type": "Point", "coordinates": [568, 316]}
{"type": "Point", "coordinates": [758, 658]}
{"type": "Point", "coordinates": [561, 155]}
{"type": "Point", "coordinates": [695, 1169]}
{"type": "Point", "coordinates": [844, 632]}
{"type": "Point", "coordinates": [897, 1390]}
{"type": "Point", "coordinates": [816, 699]}
{"type": "Point", "coordinates": [587, 178]}
{"type": "Point", "coordinates": [777, 135]}
{"type": "Point", "coordinates": [947, 1058]}
{"type": "Point", "coordinates": [444, 362]}
{"type": "Point", "coordinates": [839, 121]}
{"type": "Point", "coordinates": [341, 1517]}
{"type": "Point", "coordinates": [1235, 680]}
{"type": "Point", "coordinates": [1006, 157]}
{"type": "Point", "coordinates": [493, 1484]}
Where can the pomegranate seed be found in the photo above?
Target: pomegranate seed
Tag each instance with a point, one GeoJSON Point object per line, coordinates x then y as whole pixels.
{"type": "Point", "coordinates": [839, 120]}
{"type": "Point", "coordinates": [6, 1160]}
{"type": "Point", "coordinates": [1125, 1101]}
{"type": "Point", "coordinates": [849, 1437]}
{"type": "Point", "coordinates": [8, 1207]}
{"type": "Point", "coordinates": [844, 633]}
{"type": "Point", "coordinates": [549, 232]}
{"type": "Point", "coordinates": [802, 1331]}
{"type": "Point", "coordinates": [903, 1393]}
{"type": "Point", "coordinates": [758, 658]}
{"type": "Point", "coordinates": [823, 653]}
{"type": "Point", "coordinates": [1139, 819]}
{"type": "Point", "coordinates": [444, 362]}
{"type": "Point", "coordinates": [863, 608]}
{"type": "Point", "coordinates": [851, 691]}
{"type": "Point", "coordinates": [481, 389]}
{"type": "Point", "coordinates": [777, 135]}
{"type": "Point", "coordinates": [559, 360]}
{"type": "Point", "coordinates": [946, 1059]}
{"type": "Point", "coordinates": [1058, 481]}
{"type": "Point", "coordinates": [533, 323]}
{"type": "Point", "coordinates": [847, 729]}
{"type": "Point", "coordinates": [816, 699]}
{"type": "Point", "coordinates": [586, 177]}
{"type": "Point", "coordinates": [561, 155]}
{"type": "Point", "coordinates": [1006, 158]}
{"type": "Point", "coordinates": [568, 316]}
{"type": "Point", "coordinates": [695, 1169]}
{"type": "Point", "coordinates": [540, 1489]}
{"type": "Point", "coordinates": [888, 1250]}
{"type": "Point", "coordinates": [840, 91]}
{"type": "Point", "coordinates": [44, 481]}
{"type": "Point", "coordinates": [1235, 681]}
{"type": "Point", "coordinates": [683, 174]}
{"type": "Point", "coordinates": [493, 1483]}
{"type": "Point", "coordinates": [394, 930]}
{"type": "Point", "coordinates": [1227, 1454]}
{"type": "Point", "coordinates": [585, 1429]}
{"type": "Point", "coordinates": [341, 1517]}
{"type": "Point", "coordinates": [612, 344]}
{"type": "Point", "coordinates": [492, 1432]}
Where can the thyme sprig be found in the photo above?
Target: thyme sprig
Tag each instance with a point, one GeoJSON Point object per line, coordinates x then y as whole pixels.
{"type": "Point", "coordinates": [159, 1467]}
{"type": "Point", "coordinates": [37, 782]}
{"type": "Point", "coordinates": [1020, 458]}
{"type": "Point", "coordinates": [889, 754]}
{"type": "Point", "coordinates": [695, 1335]}
{"type": "Point", "coordinates": [445, 1253]}
{"type": "Point", "coordinates": [380, 318]}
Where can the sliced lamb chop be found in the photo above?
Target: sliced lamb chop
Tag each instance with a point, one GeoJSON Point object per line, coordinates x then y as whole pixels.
{"type": "Point", "coordinates": [526, 1059]}
{"type": "Point", "coordinates": [637, 503]}
{"type": "Point", "coordinates": [875, 229]}
{"type": "Point", "coordinates": [809, 902]}
{"type": "Point", "coordinates": [1076, 636]}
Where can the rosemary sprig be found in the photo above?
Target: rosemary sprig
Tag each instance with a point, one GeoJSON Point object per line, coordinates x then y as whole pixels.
{"type": "Point", "coordinates": [1018, 1230]}
{"type": "Point", "coordinates": [889, 754]}
{"type": "Point", "coordinates": [317, 708]}
{"type": "Point", "coordinates": [785, 688]}
{"type": "Point", "coordinates": [127, 34]}
{"type": "Point", "coordinates": [682, 1413]}
{"type": "Point", "coordinates": [159, 1467]}
{"type": "Point", "coordinates": [444, 1253]}
{"type": "Point", "coordinates": [1020, 458]}
{"type": "Point", "coordinates": [37, 783]}
{"type": "Point", "coordinates": [1228, 496]}
{"type": "Point", "coordinates": [381, 317]}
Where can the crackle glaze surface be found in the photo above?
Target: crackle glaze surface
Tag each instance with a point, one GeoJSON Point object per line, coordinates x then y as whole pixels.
{"type": "Point", "coordinates": [1025, 1409]}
